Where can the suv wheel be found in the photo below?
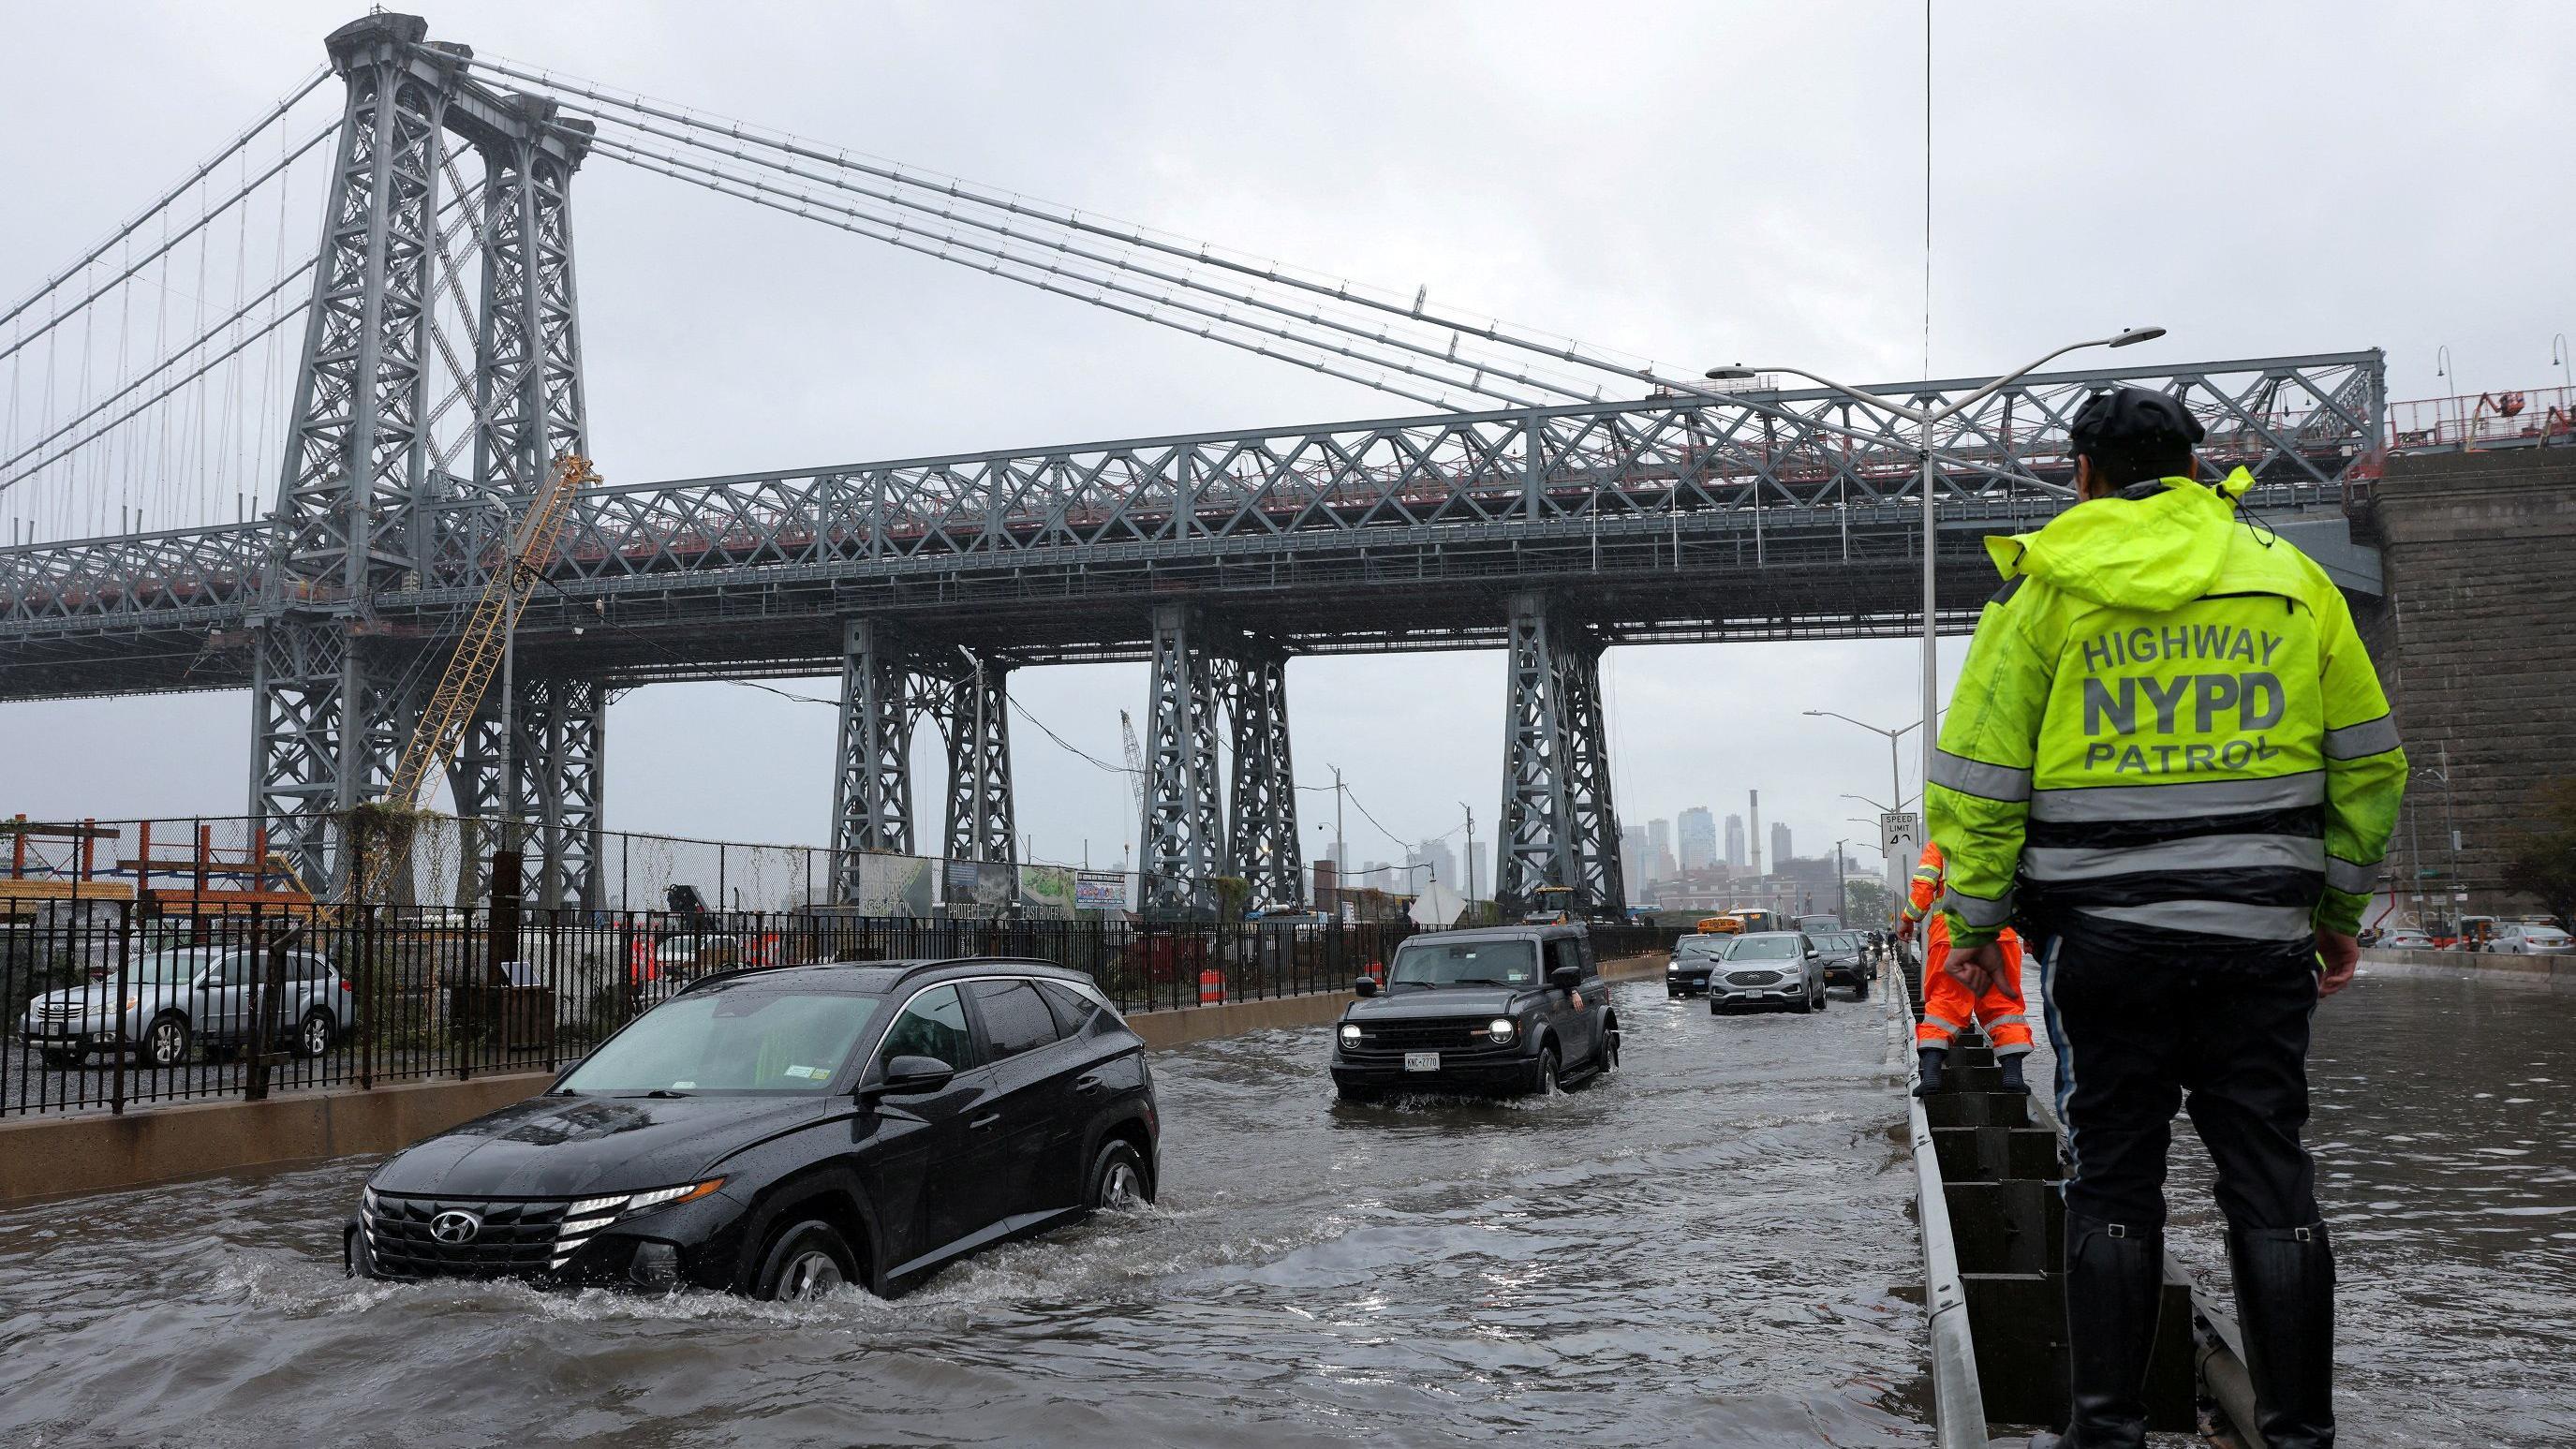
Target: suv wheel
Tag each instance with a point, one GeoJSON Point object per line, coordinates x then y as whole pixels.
{"type": "Point", "coordinates": [313, 1035]}
{"type": "Point", "coordinates": [1824, 997]}
{"type": "Point", "coordinates": [165, 1041]}
{"type": "Point", "coordinates": [1543, 1080]}
{"type": "Point", "coordinates": [1804, 1004]}
{"type": "Point", "coordinates": [1118, 1181]}
{"type": "Point", "coordinates": [809, 1260]}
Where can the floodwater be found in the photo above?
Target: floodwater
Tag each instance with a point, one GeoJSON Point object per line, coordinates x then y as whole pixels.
{"type": "Point", "coordinates": [1713, 1247]}
{"type": "Point", "coordinates": [2444, 1125]}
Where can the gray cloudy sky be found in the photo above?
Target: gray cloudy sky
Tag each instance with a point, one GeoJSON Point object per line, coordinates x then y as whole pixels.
{"type": "Point", "coordinates": [1696, 182]}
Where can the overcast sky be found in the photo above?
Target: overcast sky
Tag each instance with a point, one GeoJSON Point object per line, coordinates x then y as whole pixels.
{"type": "Point", "coordinates": [1695, 182]}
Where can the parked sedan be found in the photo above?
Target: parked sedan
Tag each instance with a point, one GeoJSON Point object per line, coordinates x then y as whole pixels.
{"type": "Point", "coordinates": [194, 995]}
{"type": "Point", "coordinates": [783, 1132]}
{"type": "Point", "coordinates": [2525, 938]}
{"type": "Point", "coordinates": [1769, 968]}
{"type": "Point", "coordinates": [1687, 973]}
{"type": "Point", "coordinates": [2404, 938]}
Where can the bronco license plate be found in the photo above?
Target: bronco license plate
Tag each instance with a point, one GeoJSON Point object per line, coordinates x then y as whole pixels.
{"type": "Point", "coordinates": [1422, 1061]}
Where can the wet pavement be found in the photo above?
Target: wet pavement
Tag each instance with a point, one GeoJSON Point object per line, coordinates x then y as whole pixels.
{"type": "Point", "coordinates": [1712, 1247]}
{"type": "Point", "coordinates": [2444, 1125]}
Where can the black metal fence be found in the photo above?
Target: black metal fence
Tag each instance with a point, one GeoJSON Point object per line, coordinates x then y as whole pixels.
{"type": "Point", "coordinates": [105, 1006]}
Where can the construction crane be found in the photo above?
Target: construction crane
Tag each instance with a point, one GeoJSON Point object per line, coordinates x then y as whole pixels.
{"type": "Point", "coordinates": [479, 651]}
{"type": "Point", "coordinates": [1135, 772]}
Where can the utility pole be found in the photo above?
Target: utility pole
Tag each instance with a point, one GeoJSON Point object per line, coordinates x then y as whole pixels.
{"type": "Point", "coordinates": [1842, 892]}
{"type": "Point", "coordinates": [1471, 851]}
{"type": "Point", "coordinates": [1341, 862]}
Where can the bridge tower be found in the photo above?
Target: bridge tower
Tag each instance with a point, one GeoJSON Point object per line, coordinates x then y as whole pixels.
{"type": "Point", "coordinates": [887, 688]}
{"type": "Point", "coordinates": [359, 506]}
{"type": "Point", "coordinates": [1560, 827]}
{"type": "Point", "coordinates": [1190, 834]}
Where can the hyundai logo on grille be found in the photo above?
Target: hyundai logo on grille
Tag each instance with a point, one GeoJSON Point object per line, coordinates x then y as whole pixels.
{"type": "Point", "coordinates": [455, 1228]}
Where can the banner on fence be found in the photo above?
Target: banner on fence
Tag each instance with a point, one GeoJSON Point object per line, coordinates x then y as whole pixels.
{"type": "Point", "coordinates": [982, 887]}
{"type": "Point", "coordinates": [1046, 890]}
{"type": "Point", "coordinates": [1100, 890]}
{"type": "Point", "coordinates": [893, 885]}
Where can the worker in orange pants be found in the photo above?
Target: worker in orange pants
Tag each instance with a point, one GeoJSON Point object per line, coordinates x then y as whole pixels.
{"type": "Point", "coordinates": [1948, 1005]}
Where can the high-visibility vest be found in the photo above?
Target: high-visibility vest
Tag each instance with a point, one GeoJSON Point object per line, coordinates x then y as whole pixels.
{"type": "Point", "coordinates": [2166, 732]}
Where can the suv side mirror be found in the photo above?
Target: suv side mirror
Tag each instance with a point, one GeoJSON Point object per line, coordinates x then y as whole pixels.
{"type": "Point", "coordinates": [1365, 986]}
{"type": "Point", "coordinates": [912, 1077]}
{"type": "Point", "coordinates": [1565, 978]}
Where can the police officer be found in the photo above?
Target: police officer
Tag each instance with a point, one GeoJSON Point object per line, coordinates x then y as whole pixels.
{"type": "Point", "coordinates": [2168, 757]}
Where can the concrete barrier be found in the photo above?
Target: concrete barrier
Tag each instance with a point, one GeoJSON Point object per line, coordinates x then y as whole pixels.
{"type": "Point", "coordinates": [69, 1156]}
{"type": "Point", "coordinates": [2560, 970]}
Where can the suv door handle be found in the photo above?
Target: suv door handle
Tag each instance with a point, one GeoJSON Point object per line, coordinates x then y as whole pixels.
{"type": "Point", "coordinates": [987, 1120]}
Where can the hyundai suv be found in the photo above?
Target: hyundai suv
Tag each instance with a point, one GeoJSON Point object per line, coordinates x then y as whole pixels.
{"type": "Point", "coordinates": [783, 1131]}
{"type": "Point", "coordinates": [1513, 1009]}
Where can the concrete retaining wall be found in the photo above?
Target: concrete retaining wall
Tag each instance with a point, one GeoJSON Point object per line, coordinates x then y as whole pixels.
{"type": "Point", "coordinates": [73, 1155]}
{"type": "Point", "coordinates": [2560, 969]}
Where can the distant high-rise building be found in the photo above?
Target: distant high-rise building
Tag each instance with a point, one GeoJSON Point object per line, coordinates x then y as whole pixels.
{"type": "Point", "coordinates": [1779, 845]}
{"type": "Point", "coordinates": [1659, 849]}
{"type": "Point", "coordinates": [1695, 838]}
{"type": "Point", "coordinates": [1443, 862]}
{"type": "Point", "coordinates": [1753, 802]}
{"type": "Point", "coordinates": [1735, 841]}
{"type": "Point", "coordinates": [1634, 861]}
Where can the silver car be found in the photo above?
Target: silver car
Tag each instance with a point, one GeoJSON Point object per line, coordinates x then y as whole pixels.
{"type": "Point", "coordinates": [2529, 938]}
{"type": "Point", "coordinates": [189, 995]}
{"type": "Point", "coordinates": [1768, 968]}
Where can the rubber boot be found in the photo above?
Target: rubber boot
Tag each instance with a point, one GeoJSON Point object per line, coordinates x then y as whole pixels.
{"type": "Point", "coordinates": [2012, 1074]}
{"type": "Point", "coordinates": [1930, 1060]}
{"type": "Point", "coordinates": [2114, 1286]}
{"type": "Point", "coordinates": [2285, 1298]}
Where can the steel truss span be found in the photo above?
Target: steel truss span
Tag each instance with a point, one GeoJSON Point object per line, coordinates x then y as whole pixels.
{"type": "Point", "coordinates": [1787, 514]}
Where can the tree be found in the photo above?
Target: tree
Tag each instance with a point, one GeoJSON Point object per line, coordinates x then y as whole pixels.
{"type": "Point", "coordinates": [2540, 857]}
{"type": "Point", "coordinates": [1867, 898]}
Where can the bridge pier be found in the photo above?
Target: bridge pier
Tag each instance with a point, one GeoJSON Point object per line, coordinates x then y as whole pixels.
{"type": "Point", "coordinates": [976, 716]}
{"type": "Point", "coordinates": [1261, 797]}
{"type": "Point", "coordinates": [1559, 824]}
{"type": "Point", "coordinates": [872, 793]}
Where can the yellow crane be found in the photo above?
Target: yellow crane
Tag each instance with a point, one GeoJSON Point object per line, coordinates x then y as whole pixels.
{"type": "Point", "coordinates": [531, 542]}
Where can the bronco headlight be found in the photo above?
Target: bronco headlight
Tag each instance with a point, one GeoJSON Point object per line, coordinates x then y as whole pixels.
{"type": "Point", "coordinates": [1502, 1028]}
{"type": "Point", "coordinates": [1350, 1034]}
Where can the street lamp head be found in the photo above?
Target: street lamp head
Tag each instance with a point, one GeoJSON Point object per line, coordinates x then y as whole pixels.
{"type": "Point", "coordinates": [1727, 374]}
{"type": "Point", "coordinates": [2137, 334]}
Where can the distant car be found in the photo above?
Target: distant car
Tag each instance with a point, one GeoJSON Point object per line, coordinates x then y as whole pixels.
{"type": "Point", "coordinates": [2404, 938]}
{"type": "Point", "coordinates": [1687, 973]}
{"type": "Point", "coordinates": [1508, 1010]}
{"type": "Point", "coordinates": [1820, 925]}
{"type": "Point", "coordinates": [1847, 960]}
{"type": "Point", "coordinates": [1769, 968]}
{"type": "Point", "coordinates": [190, 996]}
{"type": "Point", "coordinates": [780, 1133]}
{"type": "Point", "coordinates": [2521, 938]}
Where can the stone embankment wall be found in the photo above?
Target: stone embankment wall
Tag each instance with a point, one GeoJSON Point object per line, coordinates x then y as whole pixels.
{"type": "Point", "coordinates": [2477, 646]}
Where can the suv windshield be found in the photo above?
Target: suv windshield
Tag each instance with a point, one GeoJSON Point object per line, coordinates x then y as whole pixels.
{"type": "Point", "coordinates": [1764, 948]}
{"type": "Point", "coordinates": [730, 1040]}
{"type": "Point", "coordinates": [1703, 945]}
{"type": "Point", "coordinates": [1465, 963]}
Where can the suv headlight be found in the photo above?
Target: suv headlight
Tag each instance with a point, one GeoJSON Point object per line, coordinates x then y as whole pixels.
{"type": "Point", "coordinates": [1502, 1028]}
{"type": "Point", "coordinates": [1350, 1034]}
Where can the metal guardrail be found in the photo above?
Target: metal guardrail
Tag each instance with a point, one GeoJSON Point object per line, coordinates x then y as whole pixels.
{"type": "Point", "coordinates": [1958, 1398]}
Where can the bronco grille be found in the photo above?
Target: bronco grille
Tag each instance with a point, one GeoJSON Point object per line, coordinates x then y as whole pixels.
{"type": "Point", "coordinates": [511, 1237]}
{"type": "Point", "coordinates": [1422, 1036]}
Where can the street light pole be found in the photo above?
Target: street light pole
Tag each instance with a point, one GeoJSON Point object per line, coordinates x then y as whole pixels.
{"type": "Point", "coordinates": [1842, 892]}
{"type": "Point", "coordinates": [1895, 776]}
{"type": "Point", "coordinates": [1925, 418]}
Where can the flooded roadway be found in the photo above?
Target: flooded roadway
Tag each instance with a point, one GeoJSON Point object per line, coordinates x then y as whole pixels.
{"type": "Point", "coordinates": [2444, 1125]}
{"type": "Point", "coordinates": [1711, 1247]}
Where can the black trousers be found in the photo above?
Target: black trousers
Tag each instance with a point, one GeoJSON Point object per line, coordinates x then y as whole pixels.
{"type": "Point", "coordinates": [2133, 1036]}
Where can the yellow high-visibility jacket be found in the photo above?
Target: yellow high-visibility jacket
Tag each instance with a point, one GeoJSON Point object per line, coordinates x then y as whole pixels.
{"type": "Point", "coordinates": [2167, 735]}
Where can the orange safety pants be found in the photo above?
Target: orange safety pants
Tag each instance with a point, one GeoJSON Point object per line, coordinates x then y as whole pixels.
{"type": "Point", "coordinates": [1948, 1007]}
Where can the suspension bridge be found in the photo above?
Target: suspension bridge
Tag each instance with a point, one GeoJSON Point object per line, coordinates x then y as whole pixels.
{"type": "Point", "coordinates": [238, 459]}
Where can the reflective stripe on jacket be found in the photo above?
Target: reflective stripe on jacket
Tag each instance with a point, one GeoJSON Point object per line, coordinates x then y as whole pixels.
{"type": "Point", "coordinates": [2167, 726]}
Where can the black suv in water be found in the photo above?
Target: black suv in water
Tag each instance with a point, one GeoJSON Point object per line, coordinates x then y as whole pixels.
{"type": "Point", "coordinates": [781, 1132]}
{"type": "Point", "coordinates": [1513, 1009]}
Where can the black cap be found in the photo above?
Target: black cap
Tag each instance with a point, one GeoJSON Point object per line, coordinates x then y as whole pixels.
{"type": "Point", "coordinates": [2132, 420]}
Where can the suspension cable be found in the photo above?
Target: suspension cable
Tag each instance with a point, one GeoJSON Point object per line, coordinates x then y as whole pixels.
{"type": "Point", "coordinates": [131, 413]}
{"type": "Point", "coordinates": [168, 241]}
{"type": "Point", "coordinates": [895, 231]}
{"type": "Point", "coordinates": [1065, 245]}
